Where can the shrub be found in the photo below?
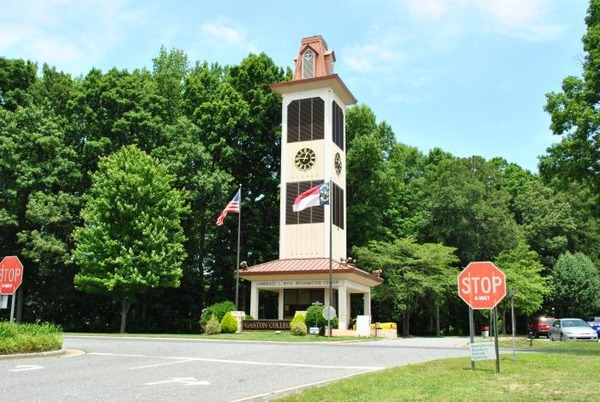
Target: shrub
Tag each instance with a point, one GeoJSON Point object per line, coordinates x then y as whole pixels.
{"type": "Point", "coordinates": [229, 323]}
{"type": "Point", "coordinates": [212, 326]}
{"type": "Point", "coordinates": [298, 328]}
{"type": "Point", "coordinates": [298, 317]}
{"type": "Point", "coordinates": [218, 309]}
{"type": "Point", "coordinates": [27, 338]}
{"type": "Point", "coordinates": [314, 318]}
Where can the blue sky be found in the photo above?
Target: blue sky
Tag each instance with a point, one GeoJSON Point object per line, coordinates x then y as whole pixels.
{"type": "Point", "coordinates": [467, 76]}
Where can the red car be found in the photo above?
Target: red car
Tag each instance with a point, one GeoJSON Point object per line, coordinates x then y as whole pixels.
{"type": "Point", "coordinates": [541, 326]}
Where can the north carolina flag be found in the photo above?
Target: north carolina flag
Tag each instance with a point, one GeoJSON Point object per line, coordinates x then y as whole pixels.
{"type": "Point", "coordinates": [233, 206]}
{"type": "Point", "coordinates": [317, 195]}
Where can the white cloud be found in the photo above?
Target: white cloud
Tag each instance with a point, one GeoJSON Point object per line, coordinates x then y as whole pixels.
{"type": "Point", "coordinates": [429, 10]}
{"type": "Point", "coordinates": [382, 51]}
{"type": "Point", "coordinates": [222, 33]}
{"type": "Point", "coordinates": [518, 18]}
{"type": "Point", "coordinates": [526, 19]}
{"type": "Point", "coordinates": [70, 34]}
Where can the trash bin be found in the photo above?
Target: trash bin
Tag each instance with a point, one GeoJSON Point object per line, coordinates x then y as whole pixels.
{"type": "Point", "coordinates": [485, 331]}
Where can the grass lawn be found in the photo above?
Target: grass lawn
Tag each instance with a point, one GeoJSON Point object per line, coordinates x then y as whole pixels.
{"type": "Point", "coordinates": [556, 371]}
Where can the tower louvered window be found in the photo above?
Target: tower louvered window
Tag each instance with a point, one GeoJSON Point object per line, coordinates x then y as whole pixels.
{"type": "Point", "coordinates": [306, 120]}
{"type": "Point", "coordinates": [337, 125]}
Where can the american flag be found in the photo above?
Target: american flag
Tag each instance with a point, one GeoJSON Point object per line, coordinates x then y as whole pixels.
{"type": "Point", "coordinates": [233, 206]}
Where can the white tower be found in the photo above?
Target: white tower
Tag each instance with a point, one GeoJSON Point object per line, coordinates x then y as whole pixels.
{"type": "Point", "coordinates": [313, 150]}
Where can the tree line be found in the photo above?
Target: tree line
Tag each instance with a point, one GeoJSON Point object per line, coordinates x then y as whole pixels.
{"type": "Point", "coordinates": [138, 165]}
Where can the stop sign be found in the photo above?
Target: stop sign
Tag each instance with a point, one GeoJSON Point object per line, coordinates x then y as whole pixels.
{"type": "Point", "coordinates": [11, 275]}
{"type": "Point", "coordinates": [481, 285]}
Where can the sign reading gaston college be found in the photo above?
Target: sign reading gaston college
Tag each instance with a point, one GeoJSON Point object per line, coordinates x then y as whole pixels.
{"type": "Point", "coordinates": [257, 325]}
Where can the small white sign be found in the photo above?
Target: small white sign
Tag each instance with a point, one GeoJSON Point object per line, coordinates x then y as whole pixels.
{"type": "Point", "coordinates": [3, 301]}
{"type": "Point", "coordinates": [483, 351]}
{"type": "Point", "coordinates": [363, 325]}
{"type": "Point", "coordinates": [314, 330]}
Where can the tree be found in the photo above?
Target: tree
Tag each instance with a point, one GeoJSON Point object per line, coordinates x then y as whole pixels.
{"type": "Point", "coordinates": [417, 276]}
{"type": "Point", "coordinates": [373, 193]}
{"type": "Point", "coordinates": [573, 163]}
{"type": "Point", "coordinates": [523, 272]}
{"type": "Point", "coordinates": [132, 240]}
{"type": "Point", "coordinates": [546, 220]}
{"type": "Point", "coordinates": [16, 78]}
{"type": "Point", "coordinates": [467, 209]}
{"type": "Point", "coordinates": [575, 286]}
{"type": "Point", "coordinates": [545, 215]}
{"type": "Point", "coordinates": [575, 116]}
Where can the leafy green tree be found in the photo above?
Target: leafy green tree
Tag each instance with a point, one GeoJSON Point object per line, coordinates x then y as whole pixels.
{"type": "Point", "coordinates": [131, 241]}
{"type": "Point", "coordinates": [372, 190]}
{"type": "Point", "coordinates": [404, 171]}
{"type": "Point", "coordinates": [575, 286]}
{"type": "Point", "coordinates": [16, 79]}
{"type": "Point", "coordinates": [465, 208]}
{"type": "Point", "coordinates": [575, 116]}
{"type": "Point", "coordinates": [39, 207]}
{"type": "Point", "coordinates": [195, 170]}
{"type": "Point", "coordinates": [169, 72]}
{"type": "Point", "coordinates": [238, 118]}
{"type": "Point", "coordinates": [524, 274]}
{"type": "Point", "coordinates": [415, 275]}
{"type": "Point", "coordinates": [572, 164]}
{"type": "Point", "coordinates": [546, 220]}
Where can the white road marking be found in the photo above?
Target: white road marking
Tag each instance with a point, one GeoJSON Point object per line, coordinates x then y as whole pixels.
{"type": "Point", "coordinates": [181, 380]}
{"type": "Point", "coordinates": [253, 363]}
{"type": "Point", "coordinates": [26, 367]}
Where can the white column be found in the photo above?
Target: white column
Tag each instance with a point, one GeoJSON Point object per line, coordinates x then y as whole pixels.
{"type": "Point", "coordinates": [254, 301]}
{"type": "Point", "coordinates": [367, 303]}
{"type": "Point", "coordinates": [343, 305]}
{"type": "Point", "coordinates": [280, 305]}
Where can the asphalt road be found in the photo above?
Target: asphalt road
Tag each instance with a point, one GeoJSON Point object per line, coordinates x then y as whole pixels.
{"type": "Point", "coordinates": [150, 369]}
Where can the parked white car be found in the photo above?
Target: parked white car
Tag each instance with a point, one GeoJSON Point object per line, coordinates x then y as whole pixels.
{"type": "Point", "coordinates": [572, 329]}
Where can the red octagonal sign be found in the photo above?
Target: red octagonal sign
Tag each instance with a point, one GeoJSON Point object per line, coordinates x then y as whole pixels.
{"type": "Point", "coordinates": [481, 285]}
{"type": "Point", "coordinates": [11, 275]}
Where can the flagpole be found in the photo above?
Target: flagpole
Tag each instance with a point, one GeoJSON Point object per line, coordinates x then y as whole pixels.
{"type": "Point", "coordinates": [237, 267]}
{"type": "Point", "coordinates": [330, 255]}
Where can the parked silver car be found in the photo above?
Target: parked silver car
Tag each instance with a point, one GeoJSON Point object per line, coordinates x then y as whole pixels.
{"type": "Point", "coordinates": [572, 329]}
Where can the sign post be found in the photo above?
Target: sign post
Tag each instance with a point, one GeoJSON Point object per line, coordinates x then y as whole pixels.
{"type": "Point", "coordinates": [482, 286]}
{"type": "Point", "coordinates": [11, 277]}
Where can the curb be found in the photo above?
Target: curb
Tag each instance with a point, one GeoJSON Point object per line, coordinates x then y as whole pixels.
{"type": "Point", "coordinates": [52, 353]}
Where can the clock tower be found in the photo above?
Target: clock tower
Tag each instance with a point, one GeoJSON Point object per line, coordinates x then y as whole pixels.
{"type": "Point", "coordinates": [313, 267]}
{"type": "Point", "coordinates": [313, 151]}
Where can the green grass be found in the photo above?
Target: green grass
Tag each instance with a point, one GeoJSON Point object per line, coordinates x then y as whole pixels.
{"type": "Point", "coordinates": [29, 338]}
{"type": "Point", "coordinates": [522, 343]}
{"type": "Point", "coordinates": [568, 376]}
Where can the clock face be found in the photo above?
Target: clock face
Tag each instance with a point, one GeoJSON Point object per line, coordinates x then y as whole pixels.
{"type": "Point", "coordinates": [305, 158]}
{"type": "Point", "coordinates": [337, 163]}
